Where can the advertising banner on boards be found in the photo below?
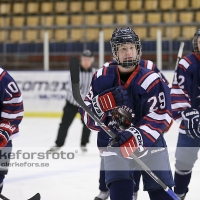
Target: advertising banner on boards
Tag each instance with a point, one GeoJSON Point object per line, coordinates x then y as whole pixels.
{"type": "Point", "coordinates": [43, 92]}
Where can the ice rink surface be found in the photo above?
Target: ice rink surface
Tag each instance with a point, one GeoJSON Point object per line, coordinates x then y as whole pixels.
{"type": "Point", "coordinates": [68, 179]}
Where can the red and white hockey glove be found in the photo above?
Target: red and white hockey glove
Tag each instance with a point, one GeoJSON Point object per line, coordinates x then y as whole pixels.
{"type": "Point", "coordinates": [130, 141]}
{"type": "Point", "coordinates": [109, 99]}
{"type": "Point", "coordinates": [6, 131]}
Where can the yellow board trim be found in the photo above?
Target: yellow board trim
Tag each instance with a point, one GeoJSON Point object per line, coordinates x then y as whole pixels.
{"type": "Point", "coordinates": [46, 114]}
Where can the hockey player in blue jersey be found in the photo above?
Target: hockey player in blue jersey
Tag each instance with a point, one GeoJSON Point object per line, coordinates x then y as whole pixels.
{"type": "Point", "coordinates": [11, 107]}
{"type": "Point", "coordinates": [104, 192]}
{"type": "Point", "coordinates": [135, 103]}
{"type": "Point", "coordinates": [185, 97]}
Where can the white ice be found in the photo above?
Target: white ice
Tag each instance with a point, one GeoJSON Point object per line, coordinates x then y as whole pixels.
{"type": "Point", "coordinates": [75, 179]}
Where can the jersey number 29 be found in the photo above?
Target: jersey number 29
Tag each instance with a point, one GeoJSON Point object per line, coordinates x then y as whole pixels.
{"type": "Point", "coordinates": [154, 99]}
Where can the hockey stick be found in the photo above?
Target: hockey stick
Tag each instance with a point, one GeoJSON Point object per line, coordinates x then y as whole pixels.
{"type": "Point", "coordinates": [180, 53]}
{"type": "Point", "coordinates": [74, 71]}
{"type": "Point", "coordinates": [35, 197]}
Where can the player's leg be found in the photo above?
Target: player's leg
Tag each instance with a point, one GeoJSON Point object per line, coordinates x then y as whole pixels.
{"type": "Point", "coordinates": [136, 177]}
{"type": "Point", "coordinates": [186, 155]}
{"type": "Point", "coordinates": [4, 162]}
{"type": "Point", "coordinates": [104, 191]}
{"type": "Point", "coordinates": [1, 181]}
{"type": "Point", "coordinates": [85, 136]}
{"type": "Point", "coordinates": [158, 161]}
{"type": "Point", "coordinates": [69, 112]}
{"type": "Point", "coordinates": [119, 178]}
{"type": "Point", "coordinates": [159, 194]}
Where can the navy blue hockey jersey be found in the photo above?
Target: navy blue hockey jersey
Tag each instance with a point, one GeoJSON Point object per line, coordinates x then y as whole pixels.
{"type": "Point", "coordinates": [11, 103]}
{"type": "Point", "coordinates": [149, 101]}
{"type": "Point", "coordinates": [185, 92]}
{"type": "Point", "coordinates": [148, 64]}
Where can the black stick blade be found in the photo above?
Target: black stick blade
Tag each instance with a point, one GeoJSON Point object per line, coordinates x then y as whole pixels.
{"type": "Point", "coordinates": [74, 69]}
{"type": "Point", "coordinates": [35, 197]}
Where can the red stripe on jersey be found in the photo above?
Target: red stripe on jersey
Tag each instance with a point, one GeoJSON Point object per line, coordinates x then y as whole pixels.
{"type": "Point", "coordinates": [134, 73]}
{"type": "Point", "coordinates": [13, 119]}
{"type": "Point", "coordinates": [118, 75]}
{"type": "Point", "coordinates": [88, 122]}
{"type": "Point", "coordinates": [177, 117]}
{"type": "Point", "coordinates": [13, 104]}
{"type": "Point", "coordinates": [13, 96]}
{"type": "Point", "coordinates": [179, 109]}
{"type": "Point", "coordinates": [95, 75]}
{"type": "Point", "coordinates": [187, 60]}
{"type": "Point", "coordinates": [103, 117]}
{"type": "Point", "coordinates": [2, 75]}
{"type": "Point", "coordinates": [157, 121]}
{"type": "Point", "coordinates": [93, 127]}
{"type": "Point", "coordinates": [104, 71]}
{"type": "Point", "coordinates": [16, 130]}
{"type": "Point", "coordinates": [186, 92]}
{"type": "Point", "coordinates": [182, 67]}
{"type": "Point", "coordinates": [163, 112]}
{"type": "Point", "coordinates": [153, 128]}
{"type": "Point", "coordinates": [17, 95]}
{"type": "Point", "coordinates": [182, 126]}
{"type": "Point", "coordinates": [149, 136]}
{"type": "Point", "coordinates": [13, 112]}
{"type": "Point", "coordinates": [145, 63]}
{"type": "Point", "coordinates": [152, 85]}
{"type": "Point", "coordinates": [147, 74]}
{"type": "Point", "coordinates": [175, 87]}
{"type": "Point", "coordinates": [180, 101]}
{"type": "Point", "coordinates": [178, 95]}
{"type": "Point", "coordinates": [86, 99]}
{"type": "Point", "coordinates": [197, 56]}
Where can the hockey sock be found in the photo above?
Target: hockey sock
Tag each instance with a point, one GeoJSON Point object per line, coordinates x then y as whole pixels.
{"type": "Point", "coordinates": [159, 194]}
{"type": "Point", "coordinates": [102, 183]}
{"type": "Point", "coordinates": [1, 182]}
{"type": "Point", "coordinates": [182, 180]}
{"type": "Point", "coordinates": [136, 176]}
{"type": "Point", "coordinates": [121, 189]}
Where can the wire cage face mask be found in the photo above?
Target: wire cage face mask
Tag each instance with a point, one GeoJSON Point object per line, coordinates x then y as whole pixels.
{"type": "Point", "coordinates": [128, 63]}
{"type": "Point", "coordinates": [125, 36]}
{"type": "Point", "coordinates": [195, 44]}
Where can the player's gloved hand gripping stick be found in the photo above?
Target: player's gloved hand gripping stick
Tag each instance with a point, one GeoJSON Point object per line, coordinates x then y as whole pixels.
{"type": "Point", "coordinates": [74, 70]}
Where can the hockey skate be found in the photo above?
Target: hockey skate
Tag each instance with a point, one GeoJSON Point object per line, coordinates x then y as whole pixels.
{"type": "Point", "coordinates": [182, 196]}
{"type": "Point", "coordinates": [102, 195]}
{"type": "Point", "coordinates": [83, 148]}
{"type": "Point", "coordinates": [135, 196]}
{"type": "Point", "coordinates": [54, 149]}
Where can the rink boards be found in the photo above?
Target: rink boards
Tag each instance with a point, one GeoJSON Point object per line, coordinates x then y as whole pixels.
{"type": "Point", "coordinates": [44, 92]}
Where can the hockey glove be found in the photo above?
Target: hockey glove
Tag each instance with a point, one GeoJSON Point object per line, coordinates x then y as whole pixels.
{"type": "Point", "coordinates": [6, 131]}
{"type": "Point", "coordinates": [109, 99]}
{"type": "Point", "coordinates": [130, 141]}
{"type": "Point", "coordinates": [191, 122]}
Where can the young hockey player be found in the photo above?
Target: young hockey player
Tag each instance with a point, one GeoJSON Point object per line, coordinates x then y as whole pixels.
{"type": "Point", "coordinates": [135, 103]}
{"type": "Point", "coordinates": [104, 192]}
{"type": "Point", "coordinates": [185, 97]}
{"type": "Point", "coordinates": [71, 107]}
{"type": "Point", "coordinates": [11, 116]}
